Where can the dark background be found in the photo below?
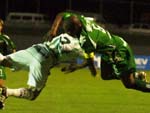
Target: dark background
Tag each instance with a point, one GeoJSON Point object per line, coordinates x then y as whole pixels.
{"type": "Point", "coordinates": [113, 11]}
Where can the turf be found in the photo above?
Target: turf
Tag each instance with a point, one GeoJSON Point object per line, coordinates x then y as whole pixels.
{"type": "Point", "coordinates": [78, 92]}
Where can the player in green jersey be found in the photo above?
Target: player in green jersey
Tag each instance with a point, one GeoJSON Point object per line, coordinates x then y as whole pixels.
{"type": "Point", "coordinates": [117, 59]}
{"type": "Point", "coordinates": [6, 46]}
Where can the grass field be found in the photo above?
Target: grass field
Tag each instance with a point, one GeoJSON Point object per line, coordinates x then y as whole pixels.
{"type": "Point", "coordinates": [77, 93]}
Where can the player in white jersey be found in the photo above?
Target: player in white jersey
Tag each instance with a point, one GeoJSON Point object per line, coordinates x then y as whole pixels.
{"type": "Point", "coordinates": [37, 60]}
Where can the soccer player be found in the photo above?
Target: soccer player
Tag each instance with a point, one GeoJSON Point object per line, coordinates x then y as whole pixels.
{"type": "Point", "coordinates": [117, 59]}
{"type": "Point", "coordinates": [6, 46]}
{"type": "Point", "coordinates": [38, 60]}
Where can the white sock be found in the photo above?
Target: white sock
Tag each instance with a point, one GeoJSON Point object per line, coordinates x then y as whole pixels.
{"type": "Point", "coordinates": [13, 92]}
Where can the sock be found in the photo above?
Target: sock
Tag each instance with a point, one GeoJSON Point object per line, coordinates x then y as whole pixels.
{"type": "Point", "coordinates": [14, 92]}
{"type": "Point", "coordinates": [142, 85]}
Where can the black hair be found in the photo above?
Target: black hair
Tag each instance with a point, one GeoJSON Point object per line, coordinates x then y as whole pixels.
{"type": "Point", "coordinates": [72, 26]}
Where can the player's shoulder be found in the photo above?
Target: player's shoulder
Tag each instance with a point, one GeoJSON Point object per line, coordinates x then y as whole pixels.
{"type": "Point", "coordinates": [6, 36]}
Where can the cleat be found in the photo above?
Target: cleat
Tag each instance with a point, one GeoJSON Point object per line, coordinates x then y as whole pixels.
{"type": "Point", "coordinates": [2, 97]}
{"type": "Point", "coordinates": [142, 76]}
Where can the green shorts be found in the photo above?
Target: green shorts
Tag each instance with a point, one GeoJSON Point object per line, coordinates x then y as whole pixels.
{"type": "Point", "coordinates": [118, 64]}
{"type": "Point", "coordinates": [2, 73]}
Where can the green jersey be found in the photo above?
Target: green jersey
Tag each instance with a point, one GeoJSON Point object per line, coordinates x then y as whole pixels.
{"type": "Point", "coordinates": [114, 49]}
{"type": "Point", "coordinates": [6, 44]}
{"type": "Point", "coordinates": [94, 38]}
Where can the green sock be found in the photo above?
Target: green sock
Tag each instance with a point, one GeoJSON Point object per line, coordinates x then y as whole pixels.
{"type": "Point", "coordinates": [142, 85]}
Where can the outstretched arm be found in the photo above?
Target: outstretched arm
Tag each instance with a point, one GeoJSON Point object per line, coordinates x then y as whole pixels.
{"type": "Point", "coordinates": [54, 28]}
{"type": "Point", "coordinates": [88, 62]}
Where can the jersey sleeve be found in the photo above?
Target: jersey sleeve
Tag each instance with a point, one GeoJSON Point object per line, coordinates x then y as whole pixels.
{"type": "Point", "coordinates": [66, 43]}
{"type": "Point", "coordinates": [9, 42]}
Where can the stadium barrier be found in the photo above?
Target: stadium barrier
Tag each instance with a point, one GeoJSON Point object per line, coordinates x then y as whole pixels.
{"type": "Point", "coordinates": [142, 62]}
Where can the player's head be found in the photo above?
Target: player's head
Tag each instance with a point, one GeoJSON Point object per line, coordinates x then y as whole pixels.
{"type": "Point", "coordinates": [72, 25]}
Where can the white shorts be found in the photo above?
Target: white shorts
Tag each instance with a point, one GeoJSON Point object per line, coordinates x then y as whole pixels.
{"type": "Point", "coordinates": [37, 65]}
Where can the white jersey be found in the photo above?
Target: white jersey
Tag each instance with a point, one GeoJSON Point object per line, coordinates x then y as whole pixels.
{"type": "Point", "coordinates": [65, 43]}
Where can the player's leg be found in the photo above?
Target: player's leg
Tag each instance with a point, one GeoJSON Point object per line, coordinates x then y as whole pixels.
{"type": "Point", "coordinates": [8, 62]}
{"type": "Point", "coordinates": [2, 80]}
{"type": "Point", "coordinates": [30, 93]}
{"type": "Point", "coordinates": [35, 82]}
{"type": "Point", "coordinates": [16, 60]}
{"type": "Point", "coordinates": [107, 71]}
{"type": "Point", "coordinates": [136, 81]}
{"type": "Point", "coordinates": [129, 77]}
{"type": "Point", "coordinates": [38, 75]}
{"type": "Point", "coordinates": [27, 93]}
{"type": "Point", "coordinates": [4, 61]}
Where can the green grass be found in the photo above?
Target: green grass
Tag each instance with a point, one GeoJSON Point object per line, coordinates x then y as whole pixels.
{"type": "Point", "coordinates": [78, 92]}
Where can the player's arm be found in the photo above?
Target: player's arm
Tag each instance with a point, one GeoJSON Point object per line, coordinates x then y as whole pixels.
{"type": "Point", "coordinates": [67, 43]}
{"type": "Point", "coordinates": [88, 62]}
{"type": "Point", "coordinates": [54, 28]}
